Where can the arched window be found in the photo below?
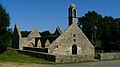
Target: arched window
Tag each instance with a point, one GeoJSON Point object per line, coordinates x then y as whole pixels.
{"type": "Point", "coordinates": [74, 35]}
{"type": "Point", "coordinates": [74, 49]}
{"type": "Point", "coordinates": [39, 44]}
{"type": "Point", "coordinates": [74, 13]}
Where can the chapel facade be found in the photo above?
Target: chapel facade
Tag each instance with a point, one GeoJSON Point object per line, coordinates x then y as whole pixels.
{"type": "Point", "coordinates": [72, 43]}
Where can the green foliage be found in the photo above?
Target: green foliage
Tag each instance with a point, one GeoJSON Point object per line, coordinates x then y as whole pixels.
{"type": "Point", "coordinates": [25, 33]}
{"type": "Point", "coordinates": [90, 25]}
{"type": "Point", "coordinates": [5, 33]}
{"type": "Point", "coordinates": [103, 32]}
{"type": "Point", "coordinates": [45, 33]}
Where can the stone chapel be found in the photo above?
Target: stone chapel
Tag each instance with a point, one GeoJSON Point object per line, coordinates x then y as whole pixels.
{"type": "Point", "coordinates": [72, 43]}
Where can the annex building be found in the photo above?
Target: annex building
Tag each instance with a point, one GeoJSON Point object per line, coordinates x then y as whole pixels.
{"type": "Point", "coordinates": [70, 46]}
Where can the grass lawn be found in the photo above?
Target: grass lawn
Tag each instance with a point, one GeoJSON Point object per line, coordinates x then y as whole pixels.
{"type": "Point", "coordinates": [12, 56]}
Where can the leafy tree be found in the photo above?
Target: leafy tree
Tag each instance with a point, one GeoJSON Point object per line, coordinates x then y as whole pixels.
{"type": "Point", "coordinates": [45, 33]}
{"type": "Point", "coordinates": [103, 32]}
{"type": "Point", "coordinates": [5, 34]}
{"type": "Point", "coordinates": [106, 32]}
{"type": "Point", "coordinates": [25, 33]}
{"type": "Point", "coordinates": [115, 34]}
{"type": "Point", "coordinates": [90, 24]}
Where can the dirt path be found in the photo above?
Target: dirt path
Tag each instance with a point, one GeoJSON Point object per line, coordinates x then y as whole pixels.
{"type": "Point", "coordinates": [113, 63]}
{"type": "Point", "coordinates": [12, 64]}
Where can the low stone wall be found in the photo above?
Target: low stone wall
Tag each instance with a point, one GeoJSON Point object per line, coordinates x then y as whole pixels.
{"type": "Point", "coordinates": [41, 55]}
{"type": "Point", "coordinates": [36, 49]}
{"type": "Point", "coordinates": [103, 56]}
{"type": "Point", "coordinates": [56, 58]}
{"type": "Point", "coordinates": [72, 58]}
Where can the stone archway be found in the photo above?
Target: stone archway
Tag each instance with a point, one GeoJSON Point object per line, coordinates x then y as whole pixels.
{"type": "Point", "coordinates": [39, 44]}
{"type": "Point", "coordinates": [74, 49]}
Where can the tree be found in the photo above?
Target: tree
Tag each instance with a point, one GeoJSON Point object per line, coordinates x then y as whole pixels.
{"type": "Point", "coordinates": [5, 34]}
{"type": "Point", "coordinates": [45, 33]}
{"type": "Point", "coordinates": [25, 33]}
{"type": "Point", "coordinates": [106, 25]}
{"type": "Point", "coordinates": [103, 32]}
{"type": "Point", "coordinates": [90, 24]}
{"type": "Point", "coordinates": [115, 34]}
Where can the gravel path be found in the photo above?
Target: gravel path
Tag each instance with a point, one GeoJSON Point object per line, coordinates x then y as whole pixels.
{"type": "Point", "coordinates": [12, 64]}
{"type": "Point", "coordinates": [113, 63]}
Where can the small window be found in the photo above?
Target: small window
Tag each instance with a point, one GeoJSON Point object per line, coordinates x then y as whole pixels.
{"type": "Point", "coordinates": [57, 46]}
{"type": "Point", "coordinates": [74, 40]}
{"type": "Point", "coordinates": [74, 35]}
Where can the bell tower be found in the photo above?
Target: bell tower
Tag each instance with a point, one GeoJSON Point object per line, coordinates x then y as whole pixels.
{"type": "Point", "coordinates": [72, 14]}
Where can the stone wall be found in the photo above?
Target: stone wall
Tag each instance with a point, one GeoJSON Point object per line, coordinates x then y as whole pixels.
{"type": "Point", "coordinates": [56, 58]}
{"type": "Point", "coordinates": [16, 37]}
{"type": "Point", "coordinates": [72, 58]}
{"type": "Point", "coordinates": [73, 35]}
{"type": "Point", "coordinates": [41, 55]}
{"type": "Point", "coordinates": [36, 49]}
{"type": "Point", "coordinates": [104, 56]}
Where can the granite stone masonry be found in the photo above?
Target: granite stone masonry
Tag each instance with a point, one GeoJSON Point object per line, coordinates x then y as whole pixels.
{"type": "Point", "coordinates": [103, 56]}
{"type": "Point", "coordinates": [70, 46]}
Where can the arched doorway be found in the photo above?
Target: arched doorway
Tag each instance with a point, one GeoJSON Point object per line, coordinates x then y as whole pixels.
{"type": "Point", "coordinates": [74, 49]}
